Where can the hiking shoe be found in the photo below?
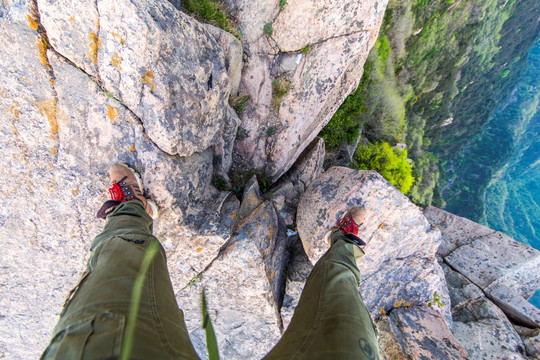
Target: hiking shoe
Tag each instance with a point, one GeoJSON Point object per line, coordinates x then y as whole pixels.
{"type": "Point", "coordinates": [126, 186]}
{"type": "Point", "coordinates": [349, 225]}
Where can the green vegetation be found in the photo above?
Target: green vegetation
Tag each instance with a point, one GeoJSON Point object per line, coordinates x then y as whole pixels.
{"type": "Point", "coordinates": [433, 78]}
{"type": "Point", "coordinates": [305, 50]}
{"type": "Point", "coordinates": [220, 183]}
{"type": "Point", "coordinates": [270, 131]}
{"type": "Point", "coordinates": [239, 103]}
{"type": "Point", "coordinates": [391, 163]}
{"type": "Point", "coordinates": [282, 4]}
{"type": "Point", "coordinates": [196, 279]}
{"type": "Point", "coordinates": [241, 134]}
{"type": "Point", "coordinates": [281, 87]}
{"type": "Point", "coordinates": [505, 156]}
{"type": "Point", "coordinates": [436, 300]}
{"type": "Point", "coordinates": [212, 12]}
{"type": "Point", "coordinates": [239, 179]}
{"type": "Point", "coordinates": [211, 341]}
{"type": "Point", "coordinates": [268, 29]}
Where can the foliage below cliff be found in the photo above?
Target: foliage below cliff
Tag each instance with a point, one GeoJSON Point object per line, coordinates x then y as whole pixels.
{"type": "Point", "coordinates": [438, 70]}
{"type": "Point", "coordinates": [391, 163]}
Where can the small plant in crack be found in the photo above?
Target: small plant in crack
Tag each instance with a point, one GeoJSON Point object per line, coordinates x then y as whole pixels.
{"type": "Point", "coordinates": [282, 4]}
{"type": "Point", "coordinates": [268, 29]}
{"type": "Point", "coordinates": [270, 131]}
{"type": "Point", "coordinates": [195, 280]}
{"type": "Point", "coordinates": [220, 183]}
{"type": "Point", "coordinates": [305, 50]}
{"type": "Point", "coordinates": [239, 103]}
{"type": "Point", "coordinates": [436, 300]}
{"type": "Point", "coordinates": [241, 134]}
{"type": "Point", "coordinates": [281, 88]}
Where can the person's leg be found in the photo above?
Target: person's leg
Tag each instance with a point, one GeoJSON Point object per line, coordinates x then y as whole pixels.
{"type": "Point", "coordinates": [92, 322]}
{"type": "Point", "coordinates": [331, 320]}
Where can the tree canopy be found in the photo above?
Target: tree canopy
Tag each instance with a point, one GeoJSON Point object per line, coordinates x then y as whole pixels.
{"type": "Point", "coordinates": [391, 163]}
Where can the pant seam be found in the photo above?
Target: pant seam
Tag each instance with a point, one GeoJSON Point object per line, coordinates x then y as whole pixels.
{"type": "Point", "coordinates": [153, 308]}
{"type": "Point", "coordinates": [320, 309]}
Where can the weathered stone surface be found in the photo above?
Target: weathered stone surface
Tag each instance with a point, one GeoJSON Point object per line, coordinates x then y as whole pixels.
{"type": "Point", "coordinates": [322, 20]}
{"type": "Point", "coordinates": [240, 286]}
{"type": "Point", "coordinates": [531, 340]}
{"type": "Point", "coordinates": [60, 133]}
{"type": "Point", "coordinates": [506, 270]}
{"type": "Point", "coordinates": [478, 324]}
{"type": "Point", "coordinates": [400, 267]}
{"type": "Point", "coordinates": [456, 231]}
{"type": "Point", "coordinates": [232, 48]}
{"type": "Point", "coordinates": [308, 166]}
{"type": "Point", "coordinates": [417, 333]}
{"type": "Point", "coordinates": [339, 36]}
{"type": "Point", "coordinates": [251, 198]}
{"type": "Point", "coordinates": [223, 152]}
{"type": "Point", "coordinates": [166, 67]}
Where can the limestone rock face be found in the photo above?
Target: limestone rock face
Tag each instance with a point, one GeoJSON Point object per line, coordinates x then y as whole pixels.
{"type": "Point", "coordinates": [417, 333]}
{"type": "Point", "coordinates": [400, 267]}
{"type": "Point", "coordinates": [240, 290]}
{"type": "Point", "coordinates": [62, 128]}
{"type": "Point", "coordinates": [316, 51]}
{"type": "Point", "coordinates": [506, 270]}
{"type": "Point", "coordinates": [478, 324]}
{"type": "Point", "coordinates": [293, 184]}
{"type": "Point", "coordinates": [168, 69]}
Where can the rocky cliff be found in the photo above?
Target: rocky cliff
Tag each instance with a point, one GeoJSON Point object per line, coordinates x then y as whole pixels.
{"type": "Point", "coordinates": [89, 83]}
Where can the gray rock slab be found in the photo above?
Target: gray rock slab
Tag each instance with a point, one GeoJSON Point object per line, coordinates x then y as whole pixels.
{"type": "Point", "coordinates": [417, 333]}
{"type": "Point", "coordinates": [60, 133]}
{"type": "Point", "coordinates": [506, 270]}
{"type": "Point", "coordinates": [531, 340]}
{"type": "Point", "coordinates": [169, 69]}
{"type": "Point", "coordinates": [340, 36]}
{"type": "Point", "coordinates": [251, 198]}
{"type": "Point", "coordinates": [400, 267]}
{"type": "Point", "coordinates": [240, 291]}
{"type": "Point", "coordinates": [293, 184]}
{"type": "Point", "coordinates": [478, 324]}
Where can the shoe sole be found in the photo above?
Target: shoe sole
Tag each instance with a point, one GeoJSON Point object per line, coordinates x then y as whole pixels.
{"type": "Point", "coordinates": [328, 235]}
{"type": "Point", "coordinates": [153, 206]}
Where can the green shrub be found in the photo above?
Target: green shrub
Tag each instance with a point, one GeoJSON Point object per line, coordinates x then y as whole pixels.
{"type": "Point", "coordinates": [212, 12]}
{"type": "Point", "coordinates": [282, 4]}
{"type": "Point", "coordinates": [220, 183]}
{"type": "Point", "coordinates": [391, 163]}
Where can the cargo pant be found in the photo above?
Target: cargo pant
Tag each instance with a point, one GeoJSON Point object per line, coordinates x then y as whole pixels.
{"type": "Point", "coordinates": [330, 321]}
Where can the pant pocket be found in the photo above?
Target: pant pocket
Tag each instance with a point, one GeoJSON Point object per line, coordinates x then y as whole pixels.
{"type": "Point", "coordinates": [95, 337]}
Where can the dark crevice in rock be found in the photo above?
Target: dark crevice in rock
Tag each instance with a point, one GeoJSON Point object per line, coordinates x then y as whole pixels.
{"type": "Point", "coordinates": [323, 41]}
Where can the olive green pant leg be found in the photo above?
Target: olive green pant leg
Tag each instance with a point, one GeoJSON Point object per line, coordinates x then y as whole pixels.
{"type": "Point", "coordinates": [331, 320]}
{"type": "Point", "coordinates": [92, 322]}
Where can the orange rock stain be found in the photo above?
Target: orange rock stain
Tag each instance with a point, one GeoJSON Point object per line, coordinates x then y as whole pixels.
{"type": "Point", "coordinates": [111, 113]}
{"type": "Point", "coordinates": [149, 79]}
